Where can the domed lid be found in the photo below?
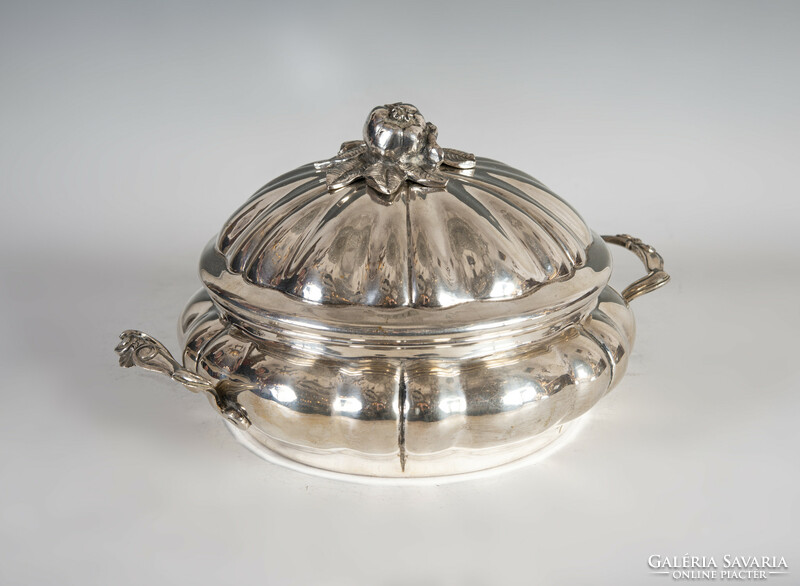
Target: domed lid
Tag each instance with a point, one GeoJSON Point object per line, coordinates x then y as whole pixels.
{"type": "Point", "coordinates": [395, 227]}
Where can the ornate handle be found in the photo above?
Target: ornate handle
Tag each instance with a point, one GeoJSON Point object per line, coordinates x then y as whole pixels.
{"type": "Point", "coordinates": [138, 349]}
{"type": "Point", "coordinates": [655, 277]}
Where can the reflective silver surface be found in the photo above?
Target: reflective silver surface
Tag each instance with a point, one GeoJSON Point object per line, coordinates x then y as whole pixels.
{"type": "Point", "coordinates": [404, 310]}
{"type": "Point", "coordinates": [492, 234]}
{"type": "Point", "coordinates": [398, 146]}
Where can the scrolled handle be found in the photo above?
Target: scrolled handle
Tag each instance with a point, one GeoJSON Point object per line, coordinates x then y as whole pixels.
{"type": "Point", "coordinates": [656, 276]}
{"type": "Point", "coordinates": [139, 349]}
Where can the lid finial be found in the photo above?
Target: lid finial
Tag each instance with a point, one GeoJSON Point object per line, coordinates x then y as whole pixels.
{"type": "Point", "coordinates": [398, 146]}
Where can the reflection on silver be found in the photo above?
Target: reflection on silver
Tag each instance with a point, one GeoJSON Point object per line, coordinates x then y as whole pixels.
{"type": "Point", "coordinates": [138, 349]}
{"type": "Point", "coordinates": [402, 311]}
{"type": "Point", "coordinates": [398, 146]}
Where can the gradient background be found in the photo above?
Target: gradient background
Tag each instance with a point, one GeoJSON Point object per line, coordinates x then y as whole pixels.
{"type": "Point", "coordinates": [131, 130]}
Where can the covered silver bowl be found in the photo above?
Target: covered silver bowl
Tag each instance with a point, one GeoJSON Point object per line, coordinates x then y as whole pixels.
{"type": "Point", "coordinates": [403, 310]}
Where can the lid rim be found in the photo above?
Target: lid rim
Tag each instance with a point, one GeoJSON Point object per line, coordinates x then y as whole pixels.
{"type": "Point", "coordinates": [261, 309]}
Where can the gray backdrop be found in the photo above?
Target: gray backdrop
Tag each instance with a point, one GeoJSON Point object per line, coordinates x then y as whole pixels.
{"type": "Point", "coordinates": [131, 130]}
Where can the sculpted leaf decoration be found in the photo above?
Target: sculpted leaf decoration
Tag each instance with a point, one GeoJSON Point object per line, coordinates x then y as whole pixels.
{"type": "Point", "coordinates": [398, 146]}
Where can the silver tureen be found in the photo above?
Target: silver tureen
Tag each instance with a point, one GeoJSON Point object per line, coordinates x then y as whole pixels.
{"type": "Point", "coordinates": [403, 310]}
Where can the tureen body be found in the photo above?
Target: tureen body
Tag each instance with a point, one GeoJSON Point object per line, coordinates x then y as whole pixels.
{"type": "Point", "coordinates": [404, 309]}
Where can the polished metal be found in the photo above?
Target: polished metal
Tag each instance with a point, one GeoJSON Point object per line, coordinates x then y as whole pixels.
{"type": "Point", "coordinates": [138, 349]}
{"type": "Point", "coordinates": [398, 146]}
{"type": "Point", "coordinates": [655, 277]}
{"type": "Point", "coordinates": [404, 310]}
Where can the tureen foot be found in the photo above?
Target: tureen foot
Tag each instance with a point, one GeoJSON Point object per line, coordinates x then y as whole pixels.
{"type": "Point", "coordinates": [138, 349]}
